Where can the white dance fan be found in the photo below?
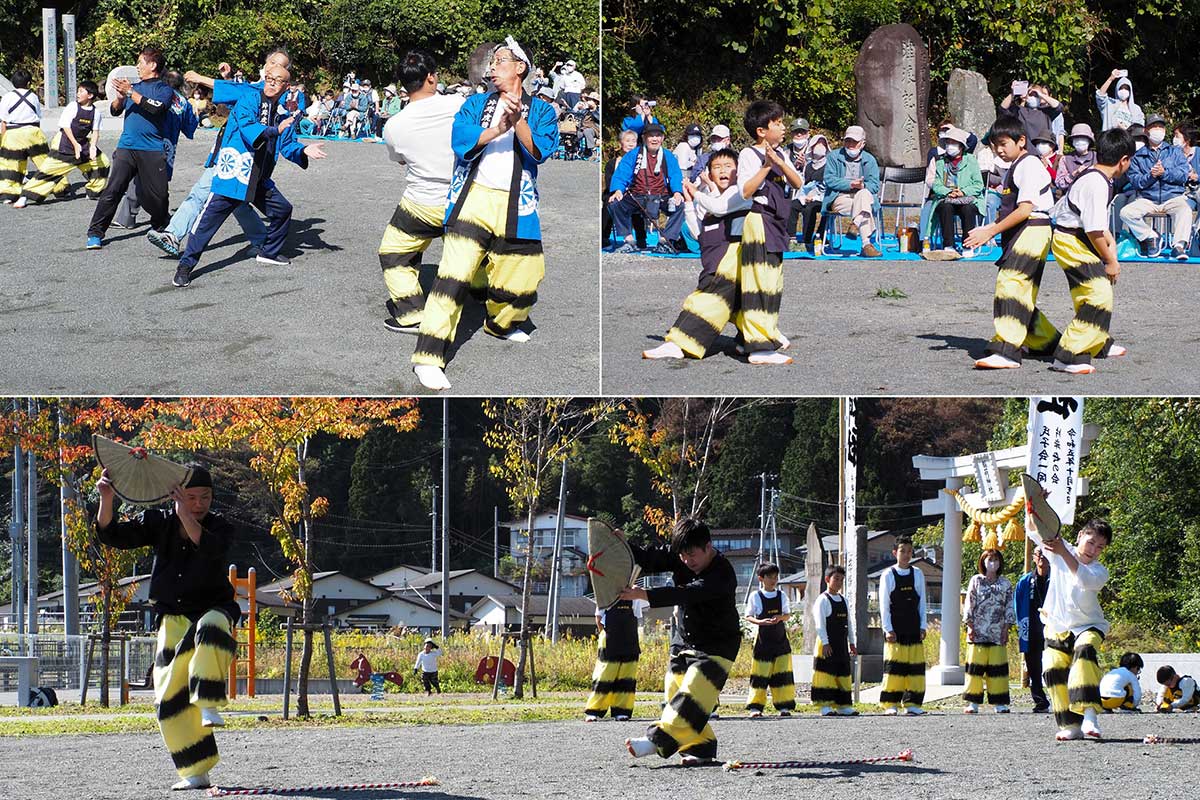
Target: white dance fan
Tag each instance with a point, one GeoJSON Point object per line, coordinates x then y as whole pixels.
{"type": "Point", "coordinates": [1041, 520]}
{"type": "Point", "coordinates": [138, 476]}
{"type": "Point", "coordinates": [129, 73]}
{"type": "Point", "coordinates": [610, 563]}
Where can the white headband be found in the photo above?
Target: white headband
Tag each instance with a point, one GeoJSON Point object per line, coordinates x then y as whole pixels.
{"type": "Point", "coordinates": [511, 44]}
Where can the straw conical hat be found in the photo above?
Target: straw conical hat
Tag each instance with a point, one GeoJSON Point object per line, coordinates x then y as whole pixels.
{"type": "Point", "coordinates": [610, 565]}
{"type": "Point", "coordinates": [128, 72]}
{"type": "Point", "coordinates": [1040, 517]}
{"type": "Point", "coordinates": [138, 476]}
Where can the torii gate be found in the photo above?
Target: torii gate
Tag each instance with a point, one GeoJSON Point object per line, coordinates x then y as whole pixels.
{"type": "Point", "coordinates": [991, 470]}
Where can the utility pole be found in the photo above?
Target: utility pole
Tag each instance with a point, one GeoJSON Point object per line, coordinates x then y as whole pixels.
{"type": "Point", "coordinates": [70, 565]}
{"type": "Point", "coordinates": [495, 541]}
{"type": "Point", "coordinates": [445, 519]}
{"type": "Point", "coordinates": [556, 556]}
{"type": "Point", "coordinates": [17, 531]}
{"type": "Point", "coordinates": [433, 529]}
{"type": "Point", "coordinates": [31, 498]}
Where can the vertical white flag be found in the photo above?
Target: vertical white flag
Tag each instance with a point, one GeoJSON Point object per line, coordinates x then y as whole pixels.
{"type": "Point", "coordinates": [850, 467]}
{"type": "Point", "coordinates": [1055, 444]}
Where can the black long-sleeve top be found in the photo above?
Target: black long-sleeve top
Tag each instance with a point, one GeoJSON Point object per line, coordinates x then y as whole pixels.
{"type": "Point", "coordinates": [708, 600]}
{"type": "Point", "coordinates": [188, 579]}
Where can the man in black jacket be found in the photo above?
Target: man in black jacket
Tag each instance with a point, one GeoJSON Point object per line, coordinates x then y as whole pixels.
{"type": "Point", "coordinates": [195, 613]}
{"type": "Point", "coordinates": [704, 644]}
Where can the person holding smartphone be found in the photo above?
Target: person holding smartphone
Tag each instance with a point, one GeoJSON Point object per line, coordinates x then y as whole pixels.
{"type": "Point", "coordinates": [1032, 104]}
{"type": "Point", "coordinates": [1119, 111]}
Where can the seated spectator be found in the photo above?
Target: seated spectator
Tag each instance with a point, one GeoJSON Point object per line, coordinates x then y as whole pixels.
{"type": "Point", "coordinates": [1082, 157]}
{"type": "Point", "coordinates": [568, 132]}
{"type": "Point", "coordinates": [1125, 194]}
{"type": "Point", "coordinates": [648, 180]}
{"type": "Point", "coordinates": [1037, 111]}
{"type": "Point", "coordinates": [1186, 137]}
{"type": "Point", "coordinates": [719, 139]}
{"type": "Point", "coordinates": [958, 191]}
{"type": "Point", "coordinates": [687, 152]}
{"type": "Point", "coordinates": [931, 158]}
{"type": "Point", "coordinates": [1044, 148]}
{"type": "Point", "coordinates": [293, 100]}
{"type": "Point", "coordinates": [1159, 175]}
{"type": "Point", "coordinates": [641, 114]}
{"type": "Point", "coordinates": [994, 170]}
{"type": "Point", "coordinates": [852, 186]}
{"type": "Point", "coordinates": [589, 126]}
{"type": "Point", "coordinates": [629, 141]}
{"type": "Point", "coordinates": [1120, 111]}
{"type": "Point", "coordinates": [392, 105]}
{"type": "Point", "coordinates": [809, 198]}
{"type": "Point", "coordinates": [201, 106]}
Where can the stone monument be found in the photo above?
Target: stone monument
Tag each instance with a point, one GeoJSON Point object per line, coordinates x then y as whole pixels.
{"type": "Point", "coordinates": [891, 77]}
{"type": "Point", "coordinates": [970, 104]}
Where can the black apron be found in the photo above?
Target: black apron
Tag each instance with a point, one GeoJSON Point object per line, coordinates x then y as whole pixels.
{"type": "Point", "coordinates": [715, 238]}
{"type": "Point", "coordinates": [775, 211]}
{"type": "Point", "coordinates": [1080, 233]}
{"type": "Point", "coordinates": [1008, 204]}
{"type": "Point", "coordinates": [906, 607]}
{"type": "Point", "coordinates": [837, 629]}
{"type": "Point", "coordinates": [81, 128]}
{"type": "Point", "coordinates": [772, 640]}
{"type": "Point", "coordinates": [620, 633]}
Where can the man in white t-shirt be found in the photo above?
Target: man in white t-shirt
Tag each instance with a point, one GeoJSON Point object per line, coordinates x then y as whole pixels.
{"type": "Point", "coordinates": [1085, 249]}
{"type": "Point", "coordinates": [418, 137]}
{"type": "Point", "coordinates": [499, 139]}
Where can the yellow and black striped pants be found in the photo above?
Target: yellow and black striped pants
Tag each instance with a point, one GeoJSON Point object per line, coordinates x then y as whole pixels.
{"type": "Point", "coordinates": [1124, 701]}
{"type": "Point", "coordinates": [773, 675]}
{"type": "Point", "coordinates": [987, 674]}
{"type": "Point", "coordinates": [903, 675]}
{"type": "Point", "coordinates": [412, 227]}
{"type": "Point", "coordinates": [760, 284]}
{"type": "Point", "coordinates": [614, 683]}
{"type": "Point", "coordinates": [832, 680]}
{"type": "Point", "coordinates": [18, 147]}
{"type": "Point", "coordinates": [1017, 320]}
{"type": "Point", "coordinates": [697, 679]}
{"type": "Point", "coordinates": [191, 670]}
{"type": "Point", "coordinates": [1072, 675]}
{"type": "Point", "coordinates": [513, 268]}
{"type": "Point", "coordinates": [1086, 336]}
{"type": "Point", "coordinates": [51, 176]}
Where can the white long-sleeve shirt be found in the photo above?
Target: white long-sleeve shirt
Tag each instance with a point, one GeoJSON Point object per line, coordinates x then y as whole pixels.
{"type": "Point", "coordinates": [427, 662]}
{"type": "Point", "coordinates": [821, 612]}
{"type": "Point", "coordinates": [887, 583]}
{"type": "Point", "coordinates": [1187, 687]}
{"type": "Point", "coordinates": [1073, 598]}
{"type": "Point", "coordinates": [1114, 683]}
{"type": "Point", "coordinates": [754, 603]}
{"type": "Point", "coordinates": [707, 205]}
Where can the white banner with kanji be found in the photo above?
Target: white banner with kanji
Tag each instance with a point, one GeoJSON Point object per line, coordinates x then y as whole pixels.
{"type": "Point", "coordinates": [1055, 445]}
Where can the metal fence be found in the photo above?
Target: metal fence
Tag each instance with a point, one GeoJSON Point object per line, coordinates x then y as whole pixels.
{"type": "Point", "coordinates": [61, 659]}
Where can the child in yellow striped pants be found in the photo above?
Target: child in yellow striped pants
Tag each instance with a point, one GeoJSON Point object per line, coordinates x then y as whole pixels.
{"type": "Point", "coordinates": [76, 146]}
{"type": "Point", "coordinates": [832, 672]}
{"type": "Point", "coordinates": [1075, 628]}
{"type": "Point", "coordinates": [989, 614]}
{"type": "Point", "coordinates": [614, 679]}
{"type": "Point", "coordinates": [21, 137]}
{"type": "Point", "coordinates": [190, 589]}
{"type": "Point", "coordinates": [771, 668]}
{"type": "Point", "coordinates": [704, 644]}
{"type": "Point", "coordinates": [902, 616]}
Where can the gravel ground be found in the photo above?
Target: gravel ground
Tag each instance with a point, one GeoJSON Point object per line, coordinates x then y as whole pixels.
{"type": "Point", "coordinates": [1012, 756]}
{"type": "Point", "coordinates": [847, 340]}
{"type": "Point", "coordinates": [109, 321]}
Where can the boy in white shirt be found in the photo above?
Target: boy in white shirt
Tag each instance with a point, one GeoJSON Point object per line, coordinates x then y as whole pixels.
{"type": "Point", "coordinates": [771, 668]}
{"type": "Point", "coordinates": [831, 681]}
{"type": "Point", "coordinates": [427, 665]}
{"type": "Point", "coordinates": [1119, 689]}
{"type": "Point", "coordinates": [21, 137]}
{"type": "Point", "coordinates": [1179, 692]}
{"type": "Point", "coordinates": [902, 616]}
{"type": "Point", "coordinates": [1075, 628]}
{"type": "Point", "coordinates": [418, 137]}
{"type": "Point", "coordinates": [76, 147]}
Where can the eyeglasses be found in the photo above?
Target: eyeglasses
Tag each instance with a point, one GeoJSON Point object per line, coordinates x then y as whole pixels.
{"type": "Point", "coordinates": [276, 81]}
{"type": "Point", "coordinates": [505, 60]}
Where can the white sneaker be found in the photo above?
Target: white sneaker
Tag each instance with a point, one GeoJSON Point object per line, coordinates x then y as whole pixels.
{"type": "Point", "coordinates": [891, 712]}
{"type": "Point", "coordinates": [621, 718]}
{"type": "Point", "coordinates": [694, 761]}
{"type": "Point", "coordinates": [755, 714]}
{"type": "Point", "coordinates": [590, 718]}
{"type": "Point", "coordinates": [517, 335]}
{"type": "Point", "coordinates": [664, 350]}
{"type": "Point", "coordinates": [431, 377]}
{"type": "Point", "coordinates": [1116, 351]}
{"type": "Point", "coordinates": [972, 708]}
{"type": "Point", "coordinates": [1069, 734]}
{"type": "Point", "coordinates": [774, 358]}
{"type": "Point", "coordinates": [915, 711]}
{"type": "Point", "coordinates": [1072, 369]}
{"type": "Point", "coordinates": [968, 252]}
{"type": "Point", "coordinates": [997, 361]}
{"type": "Point", "coordinates": [640, 747]}
{"type": "Point", "coordinates": [211, 718]}
{"type": "Point", "coordinates": [1090, 727]}
{"type": "Point", "coordinates": [194, 782]}
{"type": "Point", "coordinates": [826, 711]}
{"type": "Point", "coordinates": [21, 202]}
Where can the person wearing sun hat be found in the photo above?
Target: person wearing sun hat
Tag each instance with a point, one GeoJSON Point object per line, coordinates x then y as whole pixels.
{"type": "Point", "coordinates": [958, 192]}
{"type": "Point", "coordinates": [195, 612]}
{"type": "Point", "coordinates": [1083, 156]}
{"type": "Point", "coordinates": [492, 220]}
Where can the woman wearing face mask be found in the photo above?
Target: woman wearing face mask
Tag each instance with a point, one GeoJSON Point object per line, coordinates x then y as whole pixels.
{"type": "Point", "coordinates": [988, 614]}
{"type": "Point", "coordinates": [958, 192]}
{"type": "Point", "coordinates": [1186, 136]}
{"type": "Point", "coordinates": [1036, 110]}
{"type": "Point", "coordinates": [806, 202]}
{"type": "Point", "coordinates": [1043, 148]}
{"type": "Point", "coordinates": [1071, 166]}
{"type": "Point", "coordinates": [688, 150]}
{"type": "Point", "coordinates": [1119, 111]}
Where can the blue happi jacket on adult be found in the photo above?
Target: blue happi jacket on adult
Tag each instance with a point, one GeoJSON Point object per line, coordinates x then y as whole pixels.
{"type": "Point", "coordinates": [247, 156]}
{"type": "Point", "coordinates": [626, 170]}
{"type": "Point", "coordinates": [836, 181]}
{"type": "Point", "coordinates": [181, 118]}
{"type": "Point", "coordinates": [1022, 599]}
{"type": "Point", "coordinates": [1173, 181]}
{"type": "Point", "coordinates": [522, 221]}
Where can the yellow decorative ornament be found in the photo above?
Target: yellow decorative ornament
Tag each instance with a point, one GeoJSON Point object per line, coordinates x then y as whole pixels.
{"type": "Point", "coordinates": [993, 528]}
